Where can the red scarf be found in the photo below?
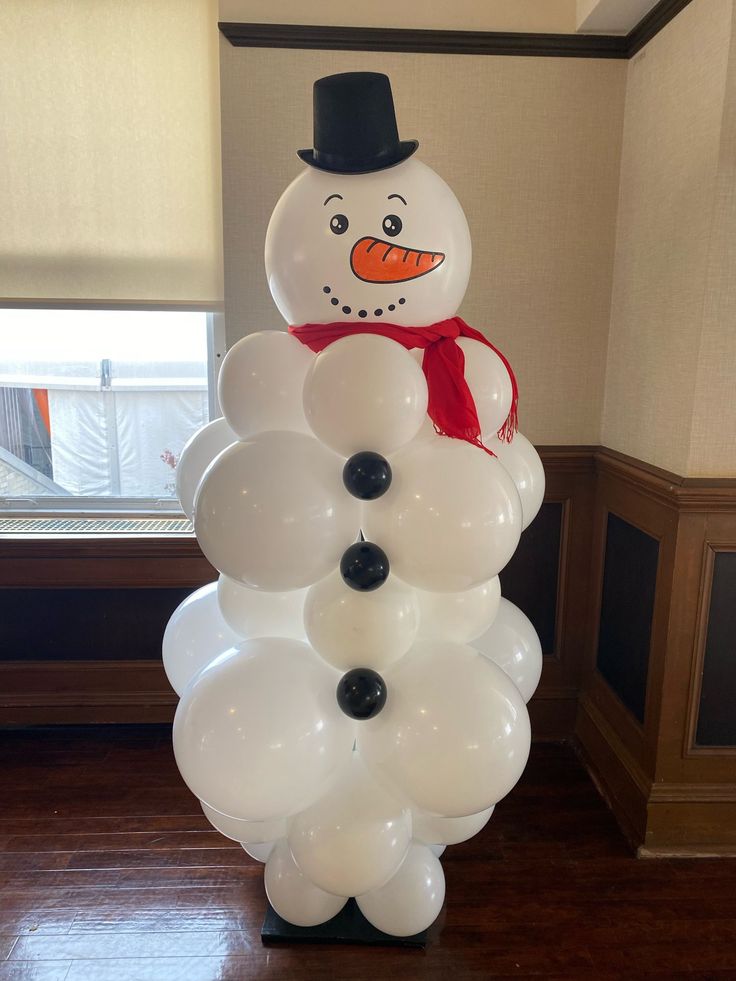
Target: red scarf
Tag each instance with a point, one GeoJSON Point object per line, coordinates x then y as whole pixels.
{"type": "Point", "coordinates": [451, 407]}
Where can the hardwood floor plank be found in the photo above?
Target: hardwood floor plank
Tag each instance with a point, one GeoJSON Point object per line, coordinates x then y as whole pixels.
{"type": "Point", "coordinates": [106, 876]}
{"type": "Point", "coordinates": [168, 969]}
{"type": "Point", "coordinates": [135, 878]}
{"type": "Point", "coordinates": [159, 921]}
{"type": "Point", "coordinates": [115, 841]}
{"type": "Point", "coordinates": [35, 971]}
{"type": "Point", "coordinates": [79, 898]}
{"type": "Point", "coordinates": [105, 946]}
{"type": "Point", "coordinates": [38, 921]}
{"type": "Point", "coordinates": [42, 824]}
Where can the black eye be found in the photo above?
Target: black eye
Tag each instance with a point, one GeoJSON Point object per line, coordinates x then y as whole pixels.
{"type": "Point", "coordinates": [338, 224]}
{"type": "Point", "coordinates": [392, 225]}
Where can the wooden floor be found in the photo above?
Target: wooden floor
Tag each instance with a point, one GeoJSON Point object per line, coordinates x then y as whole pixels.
{"type": "Point", "coordinates": [109, 872]}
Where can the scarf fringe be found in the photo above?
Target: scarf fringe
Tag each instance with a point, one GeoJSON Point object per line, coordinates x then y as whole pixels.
{"type": "Point", "coordinates": [511, 425]}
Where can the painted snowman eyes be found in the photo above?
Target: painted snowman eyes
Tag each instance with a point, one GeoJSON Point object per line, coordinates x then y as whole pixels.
{"type": "Point", "coordinates": [339, 224]}
{"type": "Point", "coordinates": [392, 225]}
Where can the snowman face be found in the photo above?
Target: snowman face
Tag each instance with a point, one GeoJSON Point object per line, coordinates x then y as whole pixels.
{"type": "Point", "coordinates": [390, 246]}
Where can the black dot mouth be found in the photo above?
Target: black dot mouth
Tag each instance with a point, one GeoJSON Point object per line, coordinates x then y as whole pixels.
{"type": "Point", "coordinates": [377, 312]}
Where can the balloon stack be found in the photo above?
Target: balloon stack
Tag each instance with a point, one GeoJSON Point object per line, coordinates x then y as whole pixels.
{"type": "Point", "coordinates": [353, 687]}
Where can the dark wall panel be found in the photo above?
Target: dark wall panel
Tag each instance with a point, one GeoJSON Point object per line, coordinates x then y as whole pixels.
{"type": "Point", "coordinates": [530, 578]}
{"type": "Point", "coordinates": [87, 624]}
{"type": "Point", "coordinates": [627, 607]}
{"type": "Point", "coordinates": [717, 712]}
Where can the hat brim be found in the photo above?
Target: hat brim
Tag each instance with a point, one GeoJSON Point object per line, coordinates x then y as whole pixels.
{"type": "Point", "coordinates": [342, 166]}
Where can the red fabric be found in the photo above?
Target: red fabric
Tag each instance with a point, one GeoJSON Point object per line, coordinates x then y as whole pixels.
{"type": "Point", "coordinates": [451, 407]}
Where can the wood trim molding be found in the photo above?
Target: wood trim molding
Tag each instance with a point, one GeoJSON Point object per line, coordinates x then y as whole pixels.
{"type": "Point", "coordinates": [81, 692]}
{"type": "Point", "coordinates": [701, 632]}
{"type": "Point", "coordinates": [616, 773]}
{"type": "Point", "coordinates": [422, 41]}
{"type": "Point", "coordinates": [687, 820]}
{"type": "Point", "coordinates": [706, 793]}
{"type": "Point", "coordinates": [57, 561]}
{"type": "Point", "coordinates": [652, 23]}
{"type": "Point", "coordinates": [692, 749]}
{"type": "Point", "coordinates": [675, 492]}
{"type": "Point", "coordinates": [410, 41]}
{"type": "Point", "coordinates": [70, 692]}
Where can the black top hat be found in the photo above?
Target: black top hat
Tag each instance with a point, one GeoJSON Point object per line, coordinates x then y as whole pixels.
{"type": "Point", "coordinates": [355, 125]}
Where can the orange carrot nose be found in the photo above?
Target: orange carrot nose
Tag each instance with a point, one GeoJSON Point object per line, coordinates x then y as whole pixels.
{"type": "Point", "coordinates": [376, 261]}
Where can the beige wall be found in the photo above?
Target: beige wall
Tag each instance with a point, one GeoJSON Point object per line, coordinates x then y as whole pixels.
{"type": "Point", "coordinates": [669, 382]}
{"type": "Point", "coordinates": [713, 435]}
{"type": "Point", "coordinates": [547, 16]}
{"type": "Point", "coordinates": [530, 146]}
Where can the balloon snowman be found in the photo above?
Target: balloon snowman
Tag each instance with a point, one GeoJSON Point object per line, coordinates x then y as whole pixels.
{"type": "Point", "coordinates": [353, 686]}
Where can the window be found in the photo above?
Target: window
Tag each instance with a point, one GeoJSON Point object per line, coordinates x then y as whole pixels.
{"type": "Point", "coordinates": [96, 405]}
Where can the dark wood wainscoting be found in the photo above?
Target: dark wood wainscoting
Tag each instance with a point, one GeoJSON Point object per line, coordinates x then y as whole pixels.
{"type": "Point", "coordinates": [83, 619]}
{"type": "Point", "coordinates": [629, 575]}
{"type": "Point", "coordinates": [111, 599]}
{"type": "Point", "coordinates": [656, 710]}
{"type": "Point", "coordinates": [548, 578]}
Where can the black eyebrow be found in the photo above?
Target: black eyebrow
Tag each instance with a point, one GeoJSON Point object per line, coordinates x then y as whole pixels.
{"type": "Point", "coordinates": [397, 196]}
{"type": "Point", "coordinates": [334, 196]}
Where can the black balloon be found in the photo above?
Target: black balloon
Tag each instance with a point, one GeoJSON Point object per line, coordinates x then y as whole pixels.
{"type": "Point", "coordinates": [367, 475]}
{"type": "Point", "coordinates": [361, 693]}
{"type": "Point", "coordinates": [364, 566]}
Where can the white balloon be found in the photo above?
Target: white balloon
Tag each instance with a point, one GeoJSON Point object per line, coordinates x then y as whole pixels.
{"type": "Point", "coordinates": [411, 901]}
{"type": "Point", "coordinates": [453, 736]}
{"type": "Point", "coordinates": [272, 512]}
{"type": "Point", "coordinates": [257, 613]}
{"type": "Point", "coordinates": [437, 850]}
{"type": "Point", "coordinates": [489, 383]}
{"type": "Point", "coordinates": [250, 832]}
{"type": "Point", "coordinates": [321, 270]}
{"type": "Point", "coordinates": [196, 456]}
{"type": "Point", "coordinates": [259, 852]}
{"type": "Point", "coordinates": [261, 381]}
{"type": "Point", "coordinates": [512, 643]}
{"type": "Point", "coordinates": [353, 839]}
{"type": "Point", "coordinates": [195, 635]}
{"type": "Point", "coordinates": [292, 895]}
{"type": "Point", "coordinates": [448, 831]}
{"type": "Point", "coordinates": [352, 629]}
{"type": "Point", "coordinates": [459, 616]}
{"type": "Point", "coordinates": [525, 468]}
{"type": "Point", "coordinates": [259, 734]}
{"type": "Point", "coordinates": [451, 518]}
{"type": "Point", "coordinates": [365, 392]}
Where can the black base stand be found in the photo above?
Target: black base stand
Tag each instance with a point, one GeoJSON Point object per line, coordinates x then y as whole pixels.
{"type": "Point", "coordinates": [348, 927]}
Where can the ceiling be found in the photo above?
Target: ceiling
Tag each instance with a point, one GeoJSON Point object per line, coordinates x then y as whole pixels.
{"type": "Point", "coordinates": [535, 16]}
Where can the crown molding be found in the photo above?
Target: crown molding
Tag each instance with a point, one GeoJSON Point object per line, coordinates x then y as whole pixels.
{"type": "Point", "coordinates": [650, 25]}
{"type": "Point", "coordinates": [405, 40]}
{"type": "Point", "coordinates": [423, 41]}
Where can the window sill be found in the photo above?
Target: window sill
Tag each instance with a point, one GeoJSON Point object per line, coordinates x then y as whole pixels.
{"type": "Point", "coordinates": [74, 526]}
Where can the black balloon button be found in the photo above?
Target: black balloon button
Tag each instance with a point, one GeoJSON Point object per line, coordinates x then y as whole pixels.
{"type": "Point", "coordinates": [361, 693]}
{"type": "Point", "coordinates": [367, 475]}
{"type": "Point", "coordinates": [364, 566]}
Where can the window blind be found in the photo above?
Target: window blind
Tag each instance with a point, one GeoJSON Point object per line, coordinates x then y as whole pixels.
{"type": "Point", "coordinates": [110, 153]}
